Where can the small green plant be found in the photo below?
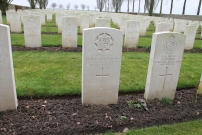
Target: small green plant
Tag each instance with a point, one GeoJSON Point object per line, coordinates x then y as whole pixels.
{"type": "Point", "coordinates": [123, 118]}
{"type": "Point", "coordinates": [148, 48]}
{"type": "Point", "coordinates": [166, 101]}
{"type": "Point", "coordinates": [140, 103]}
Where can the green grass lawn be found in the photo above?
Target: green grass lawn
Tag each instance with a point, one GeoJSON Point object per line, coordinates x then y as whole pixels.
{"type": "Point", "coordinates": [51, 74]}
{"type": "Point", "coordinates": [187, 128]}
{"type": "Point", "coordinates": [59, 73]}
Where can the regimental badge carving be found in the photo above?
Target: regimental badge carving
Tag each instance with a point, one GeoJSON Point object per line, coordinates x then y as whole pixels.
{"type": "Point", "coordinates": [32, 21]}
{"type": "Point", "coordinates": [69, 21]}
{"type": "Point", "coordinates": [104, 42]}
{"type": "Point", "coordinates": [170, 45]}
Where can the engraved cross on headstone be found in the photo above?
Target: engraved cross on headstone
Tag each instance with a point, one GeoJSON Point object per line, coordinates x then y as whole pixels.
{"type": "Point", "coordinates": [68, 38]}
{"type": "Point", "coordinates": [165, 75]}
{"type": "Point", "coordinates": [32, 35]}
{"type": "Point", "coordinates": [102, 75]}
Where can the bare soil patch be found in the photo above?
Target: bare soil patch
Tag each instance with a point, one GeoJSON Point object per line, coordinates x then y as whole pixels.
{"type": "Point", "coordinates": [66, 115]}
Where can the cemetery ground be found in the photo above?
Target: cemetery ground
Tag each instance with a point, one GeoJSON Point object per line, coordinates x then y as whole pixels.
{"type": "Point", "coordinates": [49, 92]}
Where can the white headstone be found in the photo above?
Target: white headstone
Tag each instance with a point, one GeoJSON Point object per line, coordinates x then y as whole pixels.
{"type": "Point", "coordinates": [32, 31]}
{"type": "Point", "coordinates": [1, 21]}
{"type": "Point", "coordinates": [15, 22]}
{"type": "Point", "coordinates": [162, 27]}
{"type": "Point", "coordinates": [132, 34]}
{"type": "Point", "coordinates": [69, 31]}
{"type": "Point", "coordinates": [201, 33]}
{"type": "Point", "coordinates": [8, 97]}
{"type": "Point", "coordinates": [101, 64]}
{"type": "Point", "coordinates": [42, 18]}
{"type": "Point", "coordinates": [190, 33]}
{"type": "Point", "coordinates": [164, 65]}
{"type": "Point", "coordinates": [60, 16]}
{"type": "Point", "coordinates": [177, 27]}
{"type": "Point", "coordinates": [102, 22]}
{"type": "Point", "coordinates": [49, 17]}
{"type": "Point", "coordinates": [123, 24]}
{"type": "Point", "coordinates": [143, 27]}
{"type": "Point", "coordinates": [22, 14]}
{"type": "Point", "coordinates": [199, 91]}
{"type": "Point", "coordinates": [84, 23]}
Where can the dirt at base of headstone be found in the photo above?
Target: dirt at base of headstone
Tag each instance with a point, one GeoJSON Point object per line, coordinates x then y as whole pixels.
{"type": "Point", "coordinates": [66, 115]}
{"type": "Point", "coordinates": [79, 49]}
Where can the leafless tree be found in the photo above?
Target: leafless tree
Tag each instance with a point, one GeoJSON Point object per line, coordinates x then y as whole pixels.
{"type": "Point", "coordinates": [88, 7]}
{"type": "Point", "coordinates": [128, 10]}
{"type": "Point", "coordinates": [161, 6]}
{"type": "Point", "coordinates": [60, 6]}
{"type": "Point", "coordinates": [83, 6]}
{"type": "Point", "coordinates": [199, 7]}
{"type": "Point", "coordinates": [117, 5]}
{"type": "Point", "coordinates": [53, 5]}
{"type": "Point", "coordinates": [105, 3]}
{"type": "Point", "coordinates": [108, 5]}
{"type": "Point", "coordinates": [68, 6]}
{"type": "Point", "coordinates": [184, 7]}
{"type": "Point", "coordinates": [100, 5]}
{"type": "Point", "coordinates": [139, 6]}
{"type": "Point", "coordinates": [171, 6]}
{"type": "Point", "coordinates": [42, 3]}
{"type": "Point", "coordinates": [133, 6]}
{"type": "Point", "coordinates": [4, 5]}
{"type": "Point", "coordinates": [32, 3]}
{"type": "Point", "coordinates": [111, 7]}
{"type": "Point", "coordinates": [76, 6]}
{"type": "Point", "coordinates": [151, 5]}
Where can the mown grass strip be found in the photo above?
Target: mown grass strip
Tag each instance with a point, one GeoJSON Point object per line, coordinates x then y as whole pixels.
{"type": "Point", "coordinates": [51, 73]}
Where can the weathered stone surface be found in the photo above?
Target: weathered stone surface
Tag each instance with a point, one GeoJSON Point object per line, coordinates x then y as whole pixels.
{"type": "Point", "coordinates": [101, 64]}
{"type": "Point", "coordinates": [164, 65]}
{"type": "Point", "coordinates": [177, 27]}
{"type": "Point", "coordinates": [15, 22]}
{"type": "Point", "coordinates": [32, 31]}
{"type": "Point", "coordinates": [162, 27]}
{"type": "Point", "coordinates": [132, 34]}
{"type": "Point", "coordinates": [199, 91]}
{"type": "Point", "coordinates": [102, 22]}
{"type": "Point", "coordinates": [143, 27]}
{"type": "Point", "coordinates": [8, 97]}
{"type": "Point", "coordinates": [1, 21]}
{"type": "Point", "coordinates": [49, 17]}
{"type": "Point", "coordinates": [190, 33]}
{"type": "Point", "coordinates": [84, 22]}
{"type": "Point", "coordinates": [69, 31]}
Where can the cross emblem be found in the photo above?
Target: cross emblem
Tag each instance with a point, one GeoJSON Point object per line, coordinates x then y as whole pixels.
{"type": "Point", "coordinates": [102, 75]}
{"type": "Point", "coordinates": [68, 38]}
{"type": "Point", "coordinates": [165, 75]}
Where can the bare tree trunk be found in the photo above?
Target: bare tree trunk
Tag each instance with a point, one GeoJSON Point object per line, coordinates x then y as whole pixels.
{"type": "Point", "coordinates": [199, 7]}
{"type": "Point", "coordinates": [171, 7]}
{"type": "Point", "coordinates": [145, 6]}
{"type": "Point", "coordinates": [133, 5]}
{"type": "Point", "coordinates": [139, 7]}
{"type": "Point", "coordinates": [151, 8]}
{"type": "Point", "coordinates": [183, 11]}
{"type": "Point", "coordinates": [128, 6]}
{"type": "Point", "coordinates": [161, 6]}
{"type": "Point", "coordinates": [108, 6]}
